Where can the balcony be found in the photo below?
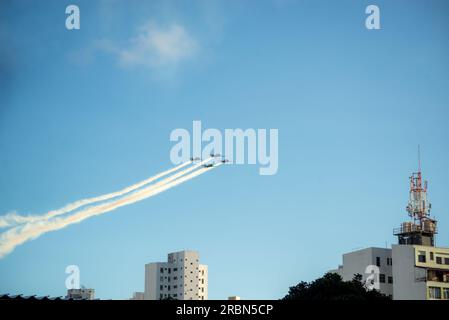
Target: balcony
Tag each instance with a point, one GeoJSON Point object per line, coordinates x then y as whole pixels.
{"type": "Point", "coordinates": [438, 276]}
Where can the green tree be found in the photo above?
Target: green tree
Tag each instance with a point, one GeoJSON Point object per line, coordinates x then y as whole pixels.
{"type": "Point", "coordinates": [332, 287]}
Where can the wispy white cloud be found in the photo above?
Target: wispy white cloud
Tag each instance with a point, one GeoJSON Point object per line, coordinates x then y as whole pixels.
{"type": "Point", "coordinates": [153, 46]}
{"type": "Point", "coordinates": [156, 46]}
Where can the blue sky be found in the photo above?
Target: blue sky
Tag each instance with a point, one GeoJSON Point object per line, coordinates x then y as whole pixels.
{"type": "Point", "coordinates": [77, 119]}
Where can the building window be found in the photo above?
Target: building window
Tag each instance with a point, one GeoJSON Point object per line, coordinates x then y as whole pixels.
{"type": "Point", "coordinates": [382, 278]}
{"type": "Point", "coordinates": [168, 288]}
{"type": "Point", "coordinates": [390, 279]}
{"type": "Point", "coordinates": [169, 270]}
{"type": "Point", "coordinates": [162, 270]}
{"type": "Point", "coordinates": [446, 260]}
{"type": "Point", "coordinates": [422, 256]}
{"type": "Point", "coordinates": [446, 293]}
{"type": "Point", "coordinates": [434, 293]}
{"type": "Point", "coordinates": [175, 269]}
{"type": "Point", "coordinates": [175, 278]}
{"type": "Point", "coordinates": [161, 287]}
{"type": "Point", "coordinates": [378, 261]}
{"type": "Point", "coordinates": [439, 260]}
{"type": "Point", "coordinates": [431, 256]}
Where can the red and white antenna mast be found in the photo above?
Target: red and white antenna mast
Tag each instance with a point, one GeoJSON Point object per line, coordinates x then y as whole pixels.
{"type": "Point", "coordinates": [423, 228]}
{"type": "Point", "coordinates": [418, 207]}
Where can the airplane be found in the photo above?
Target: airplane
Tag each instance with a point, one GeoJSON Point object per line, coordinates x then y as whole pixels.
{"type": "Point", "coordinates": [208, 165]}
{"type": "Point", "coordinates": [224, 160]}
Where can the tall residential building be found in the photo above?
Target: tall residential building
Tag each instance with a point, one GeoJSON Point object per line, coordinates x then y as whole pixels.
{"type": "Point", "coordinates": [182, 277]}
{"type": "Point", "coordinates": [415, 269]}
{"type": "Point", "coordinates": [81, 294]}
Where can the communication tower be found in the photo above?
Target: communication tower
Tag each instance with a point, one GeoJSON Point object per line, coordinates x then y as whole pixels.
{"type": "Point", "coordinates": [421, 229]}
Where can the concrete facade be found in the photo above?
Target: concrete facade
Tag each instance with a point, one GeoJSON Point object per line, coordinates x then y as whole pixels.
{"type": "Point", "coordinates": [182, 277]}
{"type": "Point", "coordinates": [356, 262]}
{"type": "Point", "coordinates": [420, 272]}
{"type": "Point", "coordinates": [137, 296]}
{"type": "Point", "coordinates": [406, 272]}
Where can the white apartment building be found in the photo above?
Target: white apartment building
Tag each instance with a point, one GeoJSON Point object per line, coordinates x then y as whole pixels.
{"type": "Point", "coordinates": [137, 296]}
{"type": "Point", "coordinates": [406, 272]}
{"type": "Point", "coordinates": [357, 262]}
{"type": "Point", "coordinates": [81, 294]}
{"type": "Point", "coordinates": [420, 272]}
{"type": "Point", "coordinates": [182, 277]}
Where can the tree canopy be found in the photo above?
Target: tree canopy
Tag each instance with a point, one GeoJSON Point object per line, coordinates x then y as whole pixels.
{"type": "Point", "coordinates": [332, 287]}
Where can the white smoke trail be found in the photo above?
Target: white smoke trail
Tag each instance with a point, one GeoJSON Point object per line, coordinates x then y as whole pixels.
{"type": "Point", "coordinates": [13, 237]}
{"type": "Point", "coordinates": [13, 219]}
